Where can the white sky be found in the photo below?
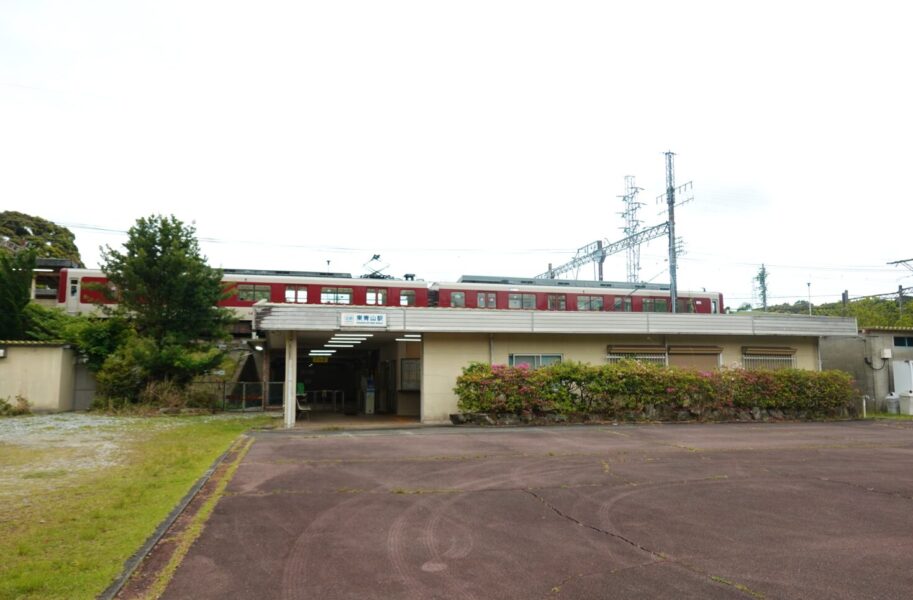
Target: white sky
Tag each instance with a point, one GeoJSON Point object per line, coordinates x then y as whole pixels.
{"type": "Point", "coordinates": [470, 137]}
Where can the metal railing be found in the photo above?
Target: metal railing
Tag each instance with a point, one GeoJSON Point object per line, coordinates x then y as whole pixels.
{"type": "Point", "coordinates": [243, 396]}
{"type": "Point", "coordinates": [250, 396]}
{"type": "Point", "coordinates": [771, 363]}
{"type": "Point", "coordinates": [334, 400]}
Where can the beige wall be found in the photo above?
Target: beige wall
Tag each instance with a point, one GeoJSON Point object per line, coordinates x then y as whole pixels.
{"type": "Point", "coordinates": [446, 354]}
{"type": "Point", "coordinates": [806, 347]}
{"type": "Point", "coordinates": [43, 375]}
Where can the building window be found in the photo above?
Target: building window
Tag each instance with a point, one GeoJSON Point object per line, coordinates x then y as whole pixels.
{"type": "Point", "coordinates": [487, 300]}
{"type": "Point", "coordinates": [332, 295]}
{"type": "Point", "coordinates": [457, 299]}
{"type": "Point", "coordinates": [623, 304]}
{"type": "Point", "coordinates": [296, 294]}
{"type": "Point", "coordinates": [701, 358]}
{"type": "Point", "coordinates": [407, 297]}
{"type": "Point", "coordinates": [376, 297]}
{"type": "Point", "coordinates": [525, 301]}
{"type": "Point", "coordinates": [655, 355]}
{"type": "Point", "coordinates": [656, 305]}
{"type": "Point", "coordinates": [534, 361]}
{"type": "Point", "coordinates": [589, 302]}
{"type": "Point", "coordinates": [249, 292]}
{"type": "Point", "coordinates": [903, 341]}
{"type": "Point", "coordinates": [557, 302]}
{"type": "Point", "coordinates": [772, 359]}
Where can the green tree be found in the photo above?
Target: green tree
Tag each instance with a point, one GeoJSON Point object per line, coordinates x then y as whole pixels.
{"type": "Point", "coordinates": [169, 293]}
{"type": "Point", "coordinates": [47, 239]}
{"type": "Point", "coordinates": [15, 293]}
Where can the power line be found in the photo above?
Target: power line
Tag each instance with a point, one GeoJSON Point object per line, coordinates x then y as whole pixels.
{"type": "Point", "coordinates": [216, 240]}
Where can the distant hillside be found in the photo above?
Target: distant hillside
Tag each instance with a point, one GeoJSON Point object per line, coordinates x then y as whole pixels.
{"type": "Point", "coordinates": [869, 312]}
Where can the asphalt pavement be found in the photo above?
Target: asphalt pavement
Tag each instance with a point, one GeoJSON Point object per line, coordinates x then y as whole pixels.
{"type": "Point", "coordinates": [773, 510]}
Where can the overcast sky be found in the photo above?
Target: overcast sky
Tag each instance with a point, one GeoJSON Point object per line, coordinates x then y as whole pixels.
{"type": "Point", "coordinates": [472, 137]}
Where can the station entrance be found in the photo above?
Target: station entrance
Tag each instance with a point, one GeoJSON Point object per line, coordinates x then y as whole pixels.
{"type": "Point", "coordinates": [377, 374]}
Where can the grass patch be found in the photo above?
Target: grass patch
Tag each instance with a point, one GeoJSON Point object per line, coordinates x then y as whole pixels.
{"type": "Point", "coordinates": [44, 474]}
{"type": "Point", "coordinates": [890, 416]}
{"type": "Point", "coordinates": [71, 540]}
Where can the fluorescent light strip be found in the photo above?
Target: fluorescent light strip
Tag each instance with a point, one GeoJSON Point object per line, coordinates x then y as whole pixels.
{"type": "Point", "coordinates": [338, 346]}
{"type": "Point", "coordinates": [407, 340]}
{"type": "Point", "coordinates": [346, 340]}
{"type": "Point", "coordinates": [361, 335]}
{"type": "Point", "coordinates": [414, 335]}
{"type": "Point", "coordinates": [322, 351]}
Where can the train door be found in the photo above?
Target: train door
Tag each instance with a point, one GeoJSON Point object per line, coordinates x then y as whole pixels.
{"type": "Point", "coordinates": [72, 291]}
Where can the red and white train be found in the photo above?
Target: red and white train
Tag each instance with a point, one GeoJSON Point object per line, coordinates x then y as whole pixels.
{"type": "Point", "coordinates": [79, 291]}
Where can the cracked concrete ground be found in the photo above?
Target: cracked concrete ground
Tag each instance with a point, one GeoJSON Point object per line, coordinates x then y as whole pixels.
{"type": "Point", "coordinates": [821, 510]}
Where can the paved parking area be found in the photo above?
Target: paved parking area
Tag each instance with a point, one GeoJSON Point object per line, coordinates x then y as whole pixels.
{"type": "Point", "coordinates": [822, 510]}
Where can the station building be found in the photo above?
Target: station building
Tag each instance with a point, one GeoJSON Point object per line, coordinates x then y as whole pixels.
{"type": "Point", "coordinates": [405, 360]}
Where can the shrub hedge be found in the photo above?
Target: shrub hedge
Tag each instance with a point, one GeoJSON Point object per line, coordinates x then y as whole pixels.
{"type": "Point", "coordinates": [633, 390]}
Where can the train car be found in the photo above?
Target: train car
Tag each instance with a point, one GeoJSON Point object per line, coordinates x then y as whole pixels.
{"type": "Point", "coordinates": [82, 290]}
{"type": "Point", "coordinates": [479, 291]}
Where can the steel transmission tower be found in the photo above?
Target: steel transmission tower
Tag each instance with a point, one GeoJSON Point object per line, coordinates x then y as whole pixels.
{"type": "Point", "coordinates": [634, 236]}
{"type": "Point", "coordinates": [631, 227]}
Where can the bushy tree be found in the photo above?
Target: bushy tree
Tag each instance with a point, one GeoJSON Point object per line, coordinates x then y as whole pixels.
{"type": "Point", "coordinates": [16, 272]}
{"type": "Point", "coordinates": [47, 239]}
{"type": "Point", "coordinates": [168, 292]}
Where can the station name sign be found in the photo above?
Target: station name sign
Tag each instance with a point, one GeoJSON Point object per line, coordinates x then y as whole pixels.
{"type": "Point", "coordinates": [362, 320]}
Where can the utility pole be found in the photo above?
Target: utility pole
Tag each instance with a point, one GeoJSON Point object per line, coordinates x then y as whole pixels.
{"type": "Point", "coordinates": [762, 286]}
{"type": "Point", "coordinates": [671, 192]}
{"type": "Point", "coordinates": [908, 263]}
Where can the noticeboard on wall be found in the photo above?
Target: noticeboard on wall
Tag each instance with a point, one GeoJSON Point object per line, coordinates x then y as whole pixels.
{"type": "Point", "coordinates": [410, 374]}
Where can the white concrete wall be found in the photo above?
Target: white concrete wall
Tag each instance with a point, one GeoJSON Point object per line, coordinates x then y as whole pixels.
{"type": "Point", "coordinates": [43, 375]}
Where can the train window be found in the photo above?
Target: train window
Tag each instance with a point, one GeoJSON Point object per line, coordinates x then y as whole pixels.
{"type": "Point", "coordinates": [296, 294]}
{"type": "Point", "coordinates": [487, 300]}
{"type": "Point", "coordinates": [589, 302]}
{"type": "Point", "coordinates": [623, 304]}
{"type": "Point", "coordinates": [249, 292]}
{"type": "Point", "coordinates": [74, 286]}
{"type": "Point", "coordinates": [527, 301]}
{"type": "Point", "coordinates": [376, 296]}
{"type": "Point", "coordinates": [557, 302]}
{"type": "Point", "coordinates": [655, 305]}
{"type": "Point", "coordinates": [407, 297]}
{"type": "Point", "coordinates": [458, 299]}
{"type": "Point", "coordinates": [684, 305]}
{"type": "Point", "coordinates": [330, 295]}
